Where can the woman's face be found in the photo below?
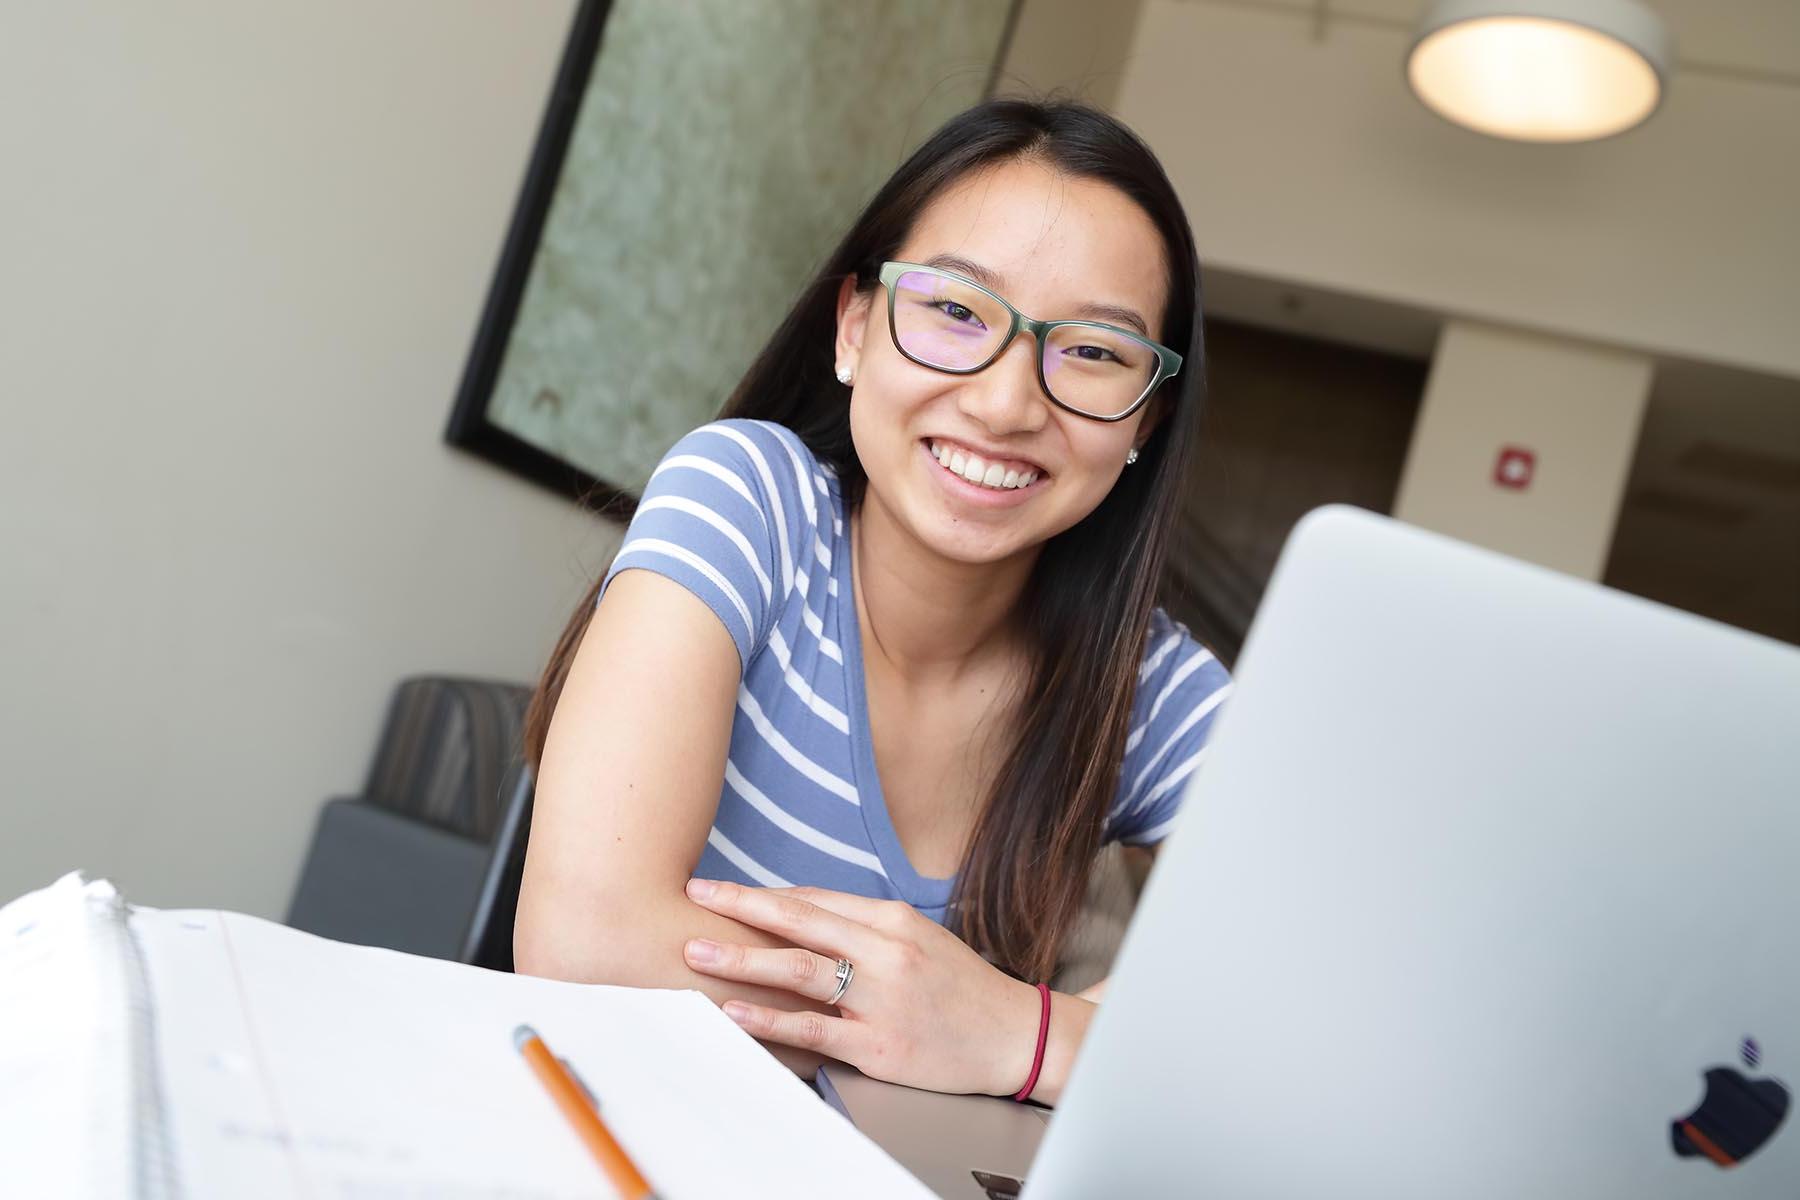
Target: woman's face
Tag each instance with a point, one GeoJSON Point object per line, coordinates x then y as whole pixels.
{"type": "Point", "coordinates": [1056, 247]}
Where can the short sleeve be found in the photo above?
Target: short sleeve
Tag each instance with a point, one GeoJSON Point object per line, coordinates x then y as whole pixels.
{"type": "Point", "coordinates": [720, 516]}
{"type": "Point", "coordinates": [1181, 687]}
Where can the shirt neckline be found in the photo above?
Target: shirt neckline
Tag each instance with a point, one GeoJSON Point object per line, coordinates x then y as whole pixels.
{"type": "Point", "coordinates": [921, 891]}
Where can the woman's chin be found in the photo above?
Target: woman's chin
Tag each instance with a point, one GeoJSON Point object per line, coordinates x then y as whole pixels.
{"type": "Point", "coordinates": [974, 543]}
{"type": "Point", "coordinates": [970, 535]}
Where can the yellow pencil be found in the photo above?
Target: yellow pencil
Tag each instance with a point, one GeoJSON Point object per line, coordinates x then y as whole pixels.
{"type": "Point", "coordinates": [580, 1112]}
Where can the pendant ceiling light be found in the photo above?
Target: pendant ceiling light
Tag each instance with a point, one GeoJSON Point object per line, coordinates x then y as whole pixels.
{"type": "Point", "coordinates": [1541, 70]}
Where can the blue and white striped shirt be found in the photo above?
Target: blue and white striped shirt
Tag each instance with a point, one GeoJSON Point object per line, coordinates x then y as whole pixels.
{"type": "Point", "coordinates": [744, 516]}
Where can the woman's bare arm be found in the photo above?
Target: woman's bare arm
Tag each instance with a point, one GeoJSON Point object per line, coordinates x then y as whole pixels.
{"type": "Point", "coordinates": [626, 794]}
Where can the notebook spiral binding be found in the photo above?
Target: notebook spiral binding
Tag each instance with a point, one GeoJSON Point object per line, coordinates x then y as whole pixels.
{"type": "Point", "coordinates": [153, 1157]}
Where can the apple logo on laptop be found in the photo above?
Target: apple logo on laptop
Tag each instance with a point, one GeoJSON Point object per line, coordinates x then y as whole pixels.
{"type": "Point", "coordinates": [1737, 1115]}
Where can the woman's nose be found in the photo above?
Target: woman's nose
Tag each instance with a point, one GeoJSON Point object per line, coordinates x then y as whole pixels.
{"type": "Point", "coordinates": [1006, 397]}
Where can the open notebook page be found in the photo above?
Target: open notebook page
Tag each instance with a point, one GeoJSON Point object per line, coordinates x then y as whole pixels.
{"type": "Point", "coordinates": [298, 1066]}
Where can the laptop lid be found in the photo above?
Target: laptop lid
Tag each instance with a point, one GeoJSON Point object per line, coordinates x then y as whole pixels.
{"type": "Point", "coordinates": [1488, 887]}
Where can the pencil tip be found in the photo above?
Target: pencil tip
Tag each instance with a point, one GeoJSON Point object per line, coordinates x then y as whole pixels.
{"type": "Point", "coordinates": [521, 1035]}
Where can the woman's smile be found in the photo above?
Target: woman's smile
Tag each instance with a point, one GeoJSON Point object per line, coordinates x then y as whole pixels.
{"type": "Point", "coordinates": [990, 481]}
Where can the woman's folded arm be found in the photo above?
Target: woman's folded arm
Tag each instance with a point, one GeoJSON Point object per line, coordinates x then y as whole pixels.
{"type": "Point", "coordinates": [626, 794]}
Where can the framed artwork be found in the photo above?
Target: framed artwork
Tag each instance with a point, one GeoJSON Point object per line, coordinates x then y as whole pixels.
{"type": "Point", "coordinates": [697, 160]}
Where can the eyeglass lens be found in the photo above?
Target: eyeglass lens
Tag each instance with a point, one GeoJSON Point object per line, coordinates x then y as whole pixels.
{"type": "Point", "coordinates": [946, 323]}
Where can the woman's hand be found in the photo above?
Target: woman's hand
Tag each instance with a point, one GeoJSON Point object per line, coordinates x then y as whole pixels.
{"type": "Point", "coordinates": [922, 1008]}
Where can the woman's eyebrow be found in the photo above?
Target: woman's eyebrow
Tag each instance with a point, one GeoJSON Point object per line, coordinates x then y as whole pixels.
{"type": "Point", "coordinates": [1116, 315]}
{"type": "Point", "coordinates": [1101, 312]}
{"type": "Point", "coordinates": [964, 266]}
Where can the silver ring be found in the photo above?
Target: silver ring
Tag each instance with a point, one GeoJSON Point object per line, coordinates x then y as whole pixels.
{"type": "Point", "coordinates": [845, 973]}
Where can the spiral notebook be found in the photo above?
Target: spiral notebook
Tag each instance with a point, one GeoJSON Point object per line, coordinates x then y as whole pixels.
{"type": "Point", "coordinates": [202, 1053]}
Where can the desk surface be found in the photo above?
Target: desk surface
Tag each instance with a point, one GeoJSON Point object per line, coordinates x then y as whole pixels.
{"type": "Point", "coordinates": [939, 1138]}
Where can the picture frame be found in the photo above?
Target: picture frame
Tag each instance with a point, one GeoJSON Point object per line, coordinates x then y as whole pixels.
{"type": "Point", "coordinates": [470, 427]}
{"type": "Point", "coordinates": [653, 117]}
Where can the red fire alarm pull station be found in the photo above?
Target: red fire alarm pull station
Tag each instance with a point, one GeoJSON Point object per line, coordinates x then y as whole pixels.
{"type": "Point", "coordinates": [1515, 467]}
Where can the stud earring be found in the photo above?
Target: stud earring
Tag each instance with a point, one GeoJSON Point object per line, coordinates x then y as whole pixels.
{"type": "Point", "coordinates": [845, 375]}
{"type": "Point", "coordinates": [1131, 456]}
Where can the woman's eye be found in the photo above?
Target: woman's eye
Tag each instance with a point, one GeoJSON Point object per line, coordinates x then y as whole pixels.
{"type": "Point", "coordinates": [956, 312]}
{"type": "Point", "coordinates": [1095, 354]}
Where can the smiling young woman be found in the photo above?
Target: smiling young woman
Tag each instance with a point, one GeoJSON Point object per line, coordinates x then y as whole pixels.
{"type": "Point", "coordinates": [878, 668]}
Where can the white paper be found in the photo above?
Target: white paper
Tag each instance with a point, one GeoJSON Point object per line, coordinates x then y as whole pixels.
{"type": "Point", "coordinates": [293, 1065]}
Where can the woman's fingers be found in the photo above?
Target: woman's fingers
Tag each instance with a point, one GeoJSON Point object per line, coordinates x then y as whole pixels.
{"type": "Point", "coordinates": [794, 970]}
{"type": "Point", "coordinates": [832, 1036]}
{"type": "Point", "coordinates": [864, 910]}
{"type": "Point", "coordinates": [799, 921]}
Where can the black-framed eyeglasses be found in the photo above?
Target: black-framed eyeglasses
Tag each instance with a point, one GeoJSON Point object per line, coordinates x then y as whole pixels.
{"type": "Point", "coordinates": [944, 321]}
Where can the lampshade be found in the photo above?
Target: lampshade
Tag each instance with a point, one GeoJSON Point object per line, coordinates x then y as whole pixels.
{"type": "Point", "coordinates": [1541, 70]}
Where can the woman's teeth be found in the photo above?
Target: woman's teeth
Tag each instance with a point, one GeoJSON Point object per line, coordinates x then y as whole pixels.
{"type": "Point", "coordinates": [977, 471]}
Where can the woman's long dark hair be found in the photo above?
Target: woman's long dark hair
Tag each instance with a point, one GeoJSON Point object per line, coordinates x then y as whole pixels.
{"type": "Point", "coordinates": [1087, 607]}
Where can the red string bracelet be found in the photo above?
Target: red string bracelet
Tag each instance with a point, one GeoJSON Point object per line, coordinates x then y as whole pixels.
{"type": "Point", "coordinates": [1037, 1059]}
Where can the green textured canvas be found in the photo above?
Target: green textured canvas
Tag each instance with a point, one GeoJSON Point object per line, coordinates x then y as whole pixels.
{"type": "Point", "coordinates": [721, 148]}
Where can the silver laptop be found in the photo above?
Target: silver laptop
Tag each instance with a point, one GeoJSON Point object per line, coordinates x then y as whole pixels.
{"type": "Point", "coordinates": [1489, 886]}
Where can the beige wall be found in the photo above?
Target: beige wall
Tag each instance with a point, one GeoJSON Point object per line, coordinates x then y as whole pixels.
{"type": "Point", "coordinates": [1074, 47]}
{"type": "Point", "coordinates": [1576, 407]}
{"type": "Point", "coordinates": [1307, 159]}
{"type": "Point", "coordinates": [245, 248]}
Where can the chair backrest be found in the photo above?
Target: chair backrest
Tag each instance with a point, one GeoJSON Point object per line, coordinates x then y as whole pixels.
{"type": "Point", "coordinates": [448, 747]}
{"type": "Point", "coordinates": [488, 940]}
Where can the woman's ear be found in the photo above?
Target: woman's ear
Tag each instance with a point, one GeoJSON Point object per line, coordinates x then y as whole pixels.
{"type": "Point", "coordinates": [853, 309]}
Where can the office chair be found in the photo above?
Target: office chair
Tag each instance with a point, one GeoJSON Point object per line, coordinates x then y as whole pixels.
{"type": "Point", "coordinates": [429, 858]}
